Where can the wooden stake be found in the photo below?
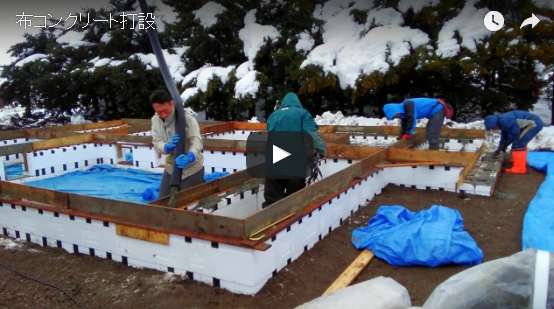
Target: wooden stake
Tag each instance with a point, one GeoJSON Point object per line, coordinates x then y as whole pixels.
{"type": "Point", "coordinates": [409, 164]}
{"type": "Point", "coordinates": [346, 278]}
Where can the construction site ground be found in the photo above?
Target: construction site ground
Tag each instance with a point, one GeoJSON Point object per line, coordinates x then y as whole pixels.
{"type": "Point", "coordinates": [495, 223]}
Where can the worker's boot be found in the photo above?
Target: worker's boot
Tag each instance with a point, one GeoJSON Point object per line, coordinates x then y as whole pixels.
{"type": "Point", "coordinates": [434, 146]}
{"type": "Point", "coordinates": [512, 156]}
{"type": "Point", "coordinates": [520, 162]}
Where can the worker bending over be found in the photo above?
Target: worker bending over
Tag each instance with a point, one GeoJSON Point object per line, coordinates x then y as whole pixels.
{"type": "Point", "coordinates": [165, 139]}
{"type": "Point", "coordinates": [292, 117]}
{"type": "Point", "coordinates": [411, 110]}
{"type": "Point", "coordinates": [518, 129]}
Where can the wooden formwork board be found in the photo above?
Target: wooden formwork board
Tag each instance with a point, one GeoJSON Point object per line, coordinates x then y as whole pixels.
{"type": "Point", "coordinates": [157, 217]}
{"type": "Point", "coordinates": [395, 131]}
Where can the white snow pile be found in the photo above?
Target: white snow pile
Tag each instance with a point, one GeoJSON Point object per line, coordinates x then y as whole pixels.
{"type": "Point", "coordinates": [9, 243]}
{"type": "Point", "coordinates": [347, 54]}
{"type": "Point", "coordinates": [468, 27]}
{"type": "Point", "coordinates": [208, 13]}
{"type": "Point", "coordinates": [543, 140]}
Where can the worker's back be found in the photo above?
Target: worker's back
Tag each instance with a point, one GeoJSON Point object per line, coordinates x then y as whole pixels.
{"type": "Point", "coordinates": [288, 117]}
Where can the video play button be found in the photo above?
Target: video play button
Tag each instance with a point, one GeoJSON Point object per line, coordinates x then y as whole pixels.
{"type": "Point", "coordinates": [279, 154]}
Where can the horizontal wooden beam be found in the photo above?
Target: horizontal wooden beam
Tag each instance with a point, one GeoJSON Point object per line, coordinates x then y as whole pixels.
{"type": "Point", "coordinates": [49, 197]}
{"type": "Point", "coordinates": [63, 141]}
{"type": "Point", "coordinates": [395, 131]}
{"type": "Point", "coordinates": [198, 192]}
{"type": "Point", "coordinates": [157, 217]}
{"type": "Point", "coordinates": [11, 134]}
{"type": "Point", "coordinates": [465, 172]}
{"type": "Point", "coordinates": [295, 203]}
{"type": "Point", "coordinates": [416, 155]}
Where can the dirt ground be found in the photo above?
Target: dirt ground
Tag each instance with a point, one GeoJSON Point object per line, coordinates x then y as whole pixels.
{"type": "Point", "coordinates": [495, 224]}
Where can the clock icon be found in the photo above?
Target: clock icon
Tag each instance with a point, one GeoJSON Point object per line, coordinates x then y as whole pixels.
{"type": "Point", "coordinates": [494, 21]}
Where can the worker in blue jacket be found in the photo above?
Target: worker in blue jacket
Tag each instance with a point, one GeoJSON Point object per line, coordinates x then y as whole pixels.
{"type": "Point", "coordinates": [518, 129]}
{"type": "Point", "coordinates": [291, 117]}
{"type": "Point", "coordinates": [411, 110]}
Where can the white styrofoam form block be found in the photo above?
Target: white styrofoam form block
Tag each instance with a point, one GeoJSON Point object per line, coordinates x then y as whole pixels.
{"type": "Point", "coordinates": [144, 133]}
{"type": "Point", "coordinates": [12, 159]}
{"type": "Point", "coordinates": [434, 177]}
{"type": "Point", "coordinates": [242, 205]}
{"type": "Point", "coordinates": [240, 270]}
{"type": "Point", "coordinates": [234, 135]}
{"type": "Point", "coordinates": [2, 172]}
{"type": "Point", "coordinates": [463, 145]}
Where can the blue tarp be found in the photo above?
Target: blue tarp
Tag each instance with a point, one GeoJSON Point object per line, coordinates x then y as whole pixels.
{"type": "Point", "coordinates": [430, 237]}
{"type": "Point", "coordinates": [538, 222]}
{"type": "Point", "coordinates": [110, 182]}
{"type": "Point", "coordinates": [14, 171]}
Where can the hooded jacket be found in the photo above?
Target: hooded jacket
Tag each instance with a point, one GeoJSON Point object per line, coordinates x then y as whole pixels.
{"type": "Point", "coordinates": [162, 131]}
{"type": "Point", "coordinates": [513, 124]}
{"type": "Point", "coordinates": [291, 116]}
{"type": "Point", "coordinates": [411, 112]}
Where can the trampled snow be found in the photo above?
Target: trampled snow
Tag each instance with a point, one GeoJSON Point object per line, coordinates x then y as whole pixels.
{"type": "Point", "coordinates": [208, 13]}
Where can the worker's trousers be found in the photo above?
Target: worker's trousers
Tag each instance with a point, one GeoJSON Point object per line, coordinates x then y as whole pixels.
{"type": "Point", "coordinates": [434, 127]}
{"type": "Point", "coordinates": [276, 189]}
{"type": "Point", "coordinates": [191, 181]}
{"type": "Point", "coordinates": [525, 139]}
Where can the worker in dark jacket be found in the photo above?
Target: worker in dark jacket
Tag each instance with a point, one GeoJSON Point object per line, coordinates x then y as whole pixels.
{"type": "Point", "coordinates": [291, 117]}
{"type": "Point", "coordinates": [518, 129]}
{"type": "Point", "coordinates": [411, 110]}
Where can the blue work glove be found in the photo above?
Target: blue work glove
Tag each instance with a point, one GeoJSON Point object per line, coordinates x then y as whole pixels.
{"type": "Point", "coordinates": [172, 143]}
{"type": "Point", "coordinates": [183, 160]}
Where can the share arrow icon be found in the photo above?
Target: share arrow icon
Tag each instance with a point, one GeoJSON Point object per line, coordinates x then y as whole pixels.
{"type": "Point", "coordinates": [533, 21]}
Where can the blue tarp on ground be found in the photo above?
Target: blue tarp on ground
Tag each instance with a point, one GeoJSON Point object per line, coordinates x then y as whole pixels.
{"type": "Point", "coordinates": [430, 237]}
{"type": "Point", "coordinates": [109, 182]}
{"type": "Point", "coordinates": [538, 222]}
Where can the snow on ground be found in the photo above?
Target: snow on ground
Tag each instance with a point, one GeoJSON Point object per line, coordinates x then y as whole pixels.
{"type": "Point", "coordinates": [8, 243]}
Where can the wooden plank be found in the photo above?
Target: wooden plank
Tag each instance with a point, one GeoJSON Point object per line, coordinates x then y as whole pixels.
{"type": "Point", "coordinates": [395, 131]}
{"type": "Point", "coordinates": [139, 128]}
{"type": "Point", "coordinates": [351, 151]}
{"type": "Point", "coordinates": [161, 218]}
{"type": "Point", "coordinates": [218, 128]}
{"type": "Point", "coordinates": [40, 195]}
{"type": "Point", "coordinates": [137, 121]}
{"type": "Point", "coordinates": [142, 234]}
{"type": "Point", "coordinates": [469, 167]}
{"type": "Point", "coordinates": [249, 126]}
{"type": "Point", "coordinates": [352, 272]}
{"type": "Point", "coordinates": [238, 242]}
{"type": "Point", "coordinates": [63, 141]}
{"type": "Point", "coordinates": [336, 138]}
{"type": "Point", "coordinates": [412, 142]}
{"type": "Point", "coordinates": [134, 139]}
{"type": "Point", "coordinates": [295, 203]}
{"type": "Point", "coordinates": [206, 189]}
{"type": "Point", "coordinates": [16, 148]}
{"type": "Point", "coordinates": [408, 164]}
{"type": "Point", "coordinates": [11, 134]}
{"type": "Point", "coordinates": [47, 134]}
{"type": "Point", "coordinates": [87, 126]}
{"type": "Point", "coordinates": [416, 155]}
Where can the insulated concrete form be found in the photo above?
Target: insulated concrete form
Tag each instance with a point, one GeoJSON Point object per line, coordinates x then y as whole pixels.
{"type": "Point", "coordinates": [228, 242]}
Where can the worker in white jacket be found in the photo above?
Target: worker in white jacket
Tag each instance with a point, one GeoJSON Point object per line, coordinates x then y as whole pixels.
{"type": "Point", "coordinates": [165, 139]}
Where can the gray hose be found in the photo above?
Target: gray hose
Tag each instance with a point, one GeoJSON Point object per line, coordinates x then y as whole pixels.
{"type": "Point", "coordinates": [180, 121]}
